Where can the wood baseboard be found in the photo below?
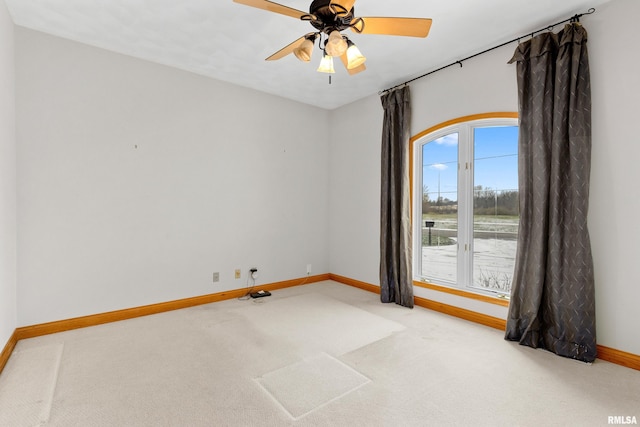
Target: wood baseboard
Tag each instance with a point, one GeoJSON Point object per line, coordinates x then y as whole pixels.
{"type": "Point", "coordinates": [461, 313]}
{"type": "Point", "coordinates": [466, 294]}
{"type": "Point", "coordinates": [617, 357]}
{"type": "Point", "coordinates": [451, 310]}
{"type": "Point", "coordinates": [7, 350]}
{"type": "Point", "coordinates": [131, 313]}
{"type": "Point", "coordinates": [355, 283]}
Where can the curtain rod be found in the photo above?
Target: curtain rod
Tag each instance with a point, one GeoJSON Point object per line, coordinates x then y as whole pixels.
{"type": "Point", "coordinates": [574, 18]}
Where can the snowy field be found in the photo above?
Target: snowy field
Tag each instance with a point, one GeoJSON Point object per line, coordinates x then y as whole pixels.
{"type": "Point", "coordinates": [493, 263]}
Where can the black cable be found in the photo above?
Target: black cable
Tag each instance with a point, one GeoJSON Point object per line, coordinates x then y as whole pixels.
{"type": "Point", "coordinates": [574, 18]}
{"type": "Point", "coordinates": [247, 295]}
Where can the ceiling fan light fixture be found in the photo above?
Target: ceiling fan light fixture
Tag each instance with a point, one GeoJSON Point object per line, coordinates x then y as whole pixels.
{"type": "Point", "coordinates": [326, 65]}
{"type": "Point", "coordinates": [330, 18]}
{"type": "Point", "coordinates": [336, 44]}
{"type": "Point", "coordinates": [304, 51]}
{"type": "Point", "coordinates": [355, 58]}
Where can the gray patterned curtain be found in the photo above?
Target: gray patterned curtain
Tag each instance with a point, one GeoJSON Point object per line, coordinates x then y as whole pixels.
{"type": "Point", "coordinates": [553, 298]}
{"type": "Point", "coordinates": [396, 284]}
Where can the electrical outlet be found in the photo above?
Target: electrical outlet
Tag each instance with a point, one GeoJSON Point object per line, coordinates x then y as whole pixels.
{"type": "Point", "coordinates": [238, 273]}
{"type": "Point", "coordinates": [216, 277]}
{"type": "Point", "coordinates": [308, 268]}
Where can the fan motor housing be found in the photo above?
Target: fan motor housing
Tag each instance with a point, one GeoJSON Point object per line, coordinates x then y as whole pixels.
{"type": "Point", "coordinates": [327, 20]}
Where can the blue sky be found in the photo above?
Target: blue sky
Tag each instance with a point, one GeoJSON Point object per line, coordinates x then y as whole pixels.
{"type": "Point", "coordinates": [496, 161]}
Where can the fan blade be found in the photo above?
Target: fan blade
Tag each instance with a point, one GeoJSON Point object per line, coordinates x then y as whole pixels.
{"type": "Point", "coordinates": [273, 7]}
{"type": "Point", "coordinates": [352, 71]}
{"type": "Point", "coordinates": [286, 50]}
{"type": "Point", "coordinates": [412, 27]}
{"type": "Point", "coordinates": [344, 6]}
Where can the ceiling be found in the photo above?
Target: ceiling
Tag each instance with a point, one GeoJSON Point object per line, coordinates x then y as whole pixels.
{"type": "Point", "coordinates": [229, 41]}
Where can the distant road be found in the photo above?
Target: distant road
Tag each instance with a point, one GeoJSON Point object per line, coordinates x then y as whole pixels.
{"type": "Point", "coordinates": [482, 234]}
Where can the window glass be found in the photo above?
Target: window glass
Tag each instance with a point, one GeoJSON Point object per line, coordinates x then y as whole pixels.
{"type": "Point", "coordinates": [495, 206]}
{"type": "Point", "coordinates": [440, 208]}
{"type": "Point", "coordinates": [467, 203]}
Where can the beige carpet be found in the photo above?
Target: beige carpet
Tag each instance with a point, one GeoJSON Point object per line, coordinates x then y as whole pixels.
{"type": "Point", "coordinates": [317, 355]}
{"type": "Point", "coordinates": [26, 392]}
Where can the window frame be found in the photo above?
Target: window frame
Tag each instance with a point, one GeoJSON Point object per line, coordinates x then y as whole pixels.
{"type": "Point", "coordinates": [463, 126]}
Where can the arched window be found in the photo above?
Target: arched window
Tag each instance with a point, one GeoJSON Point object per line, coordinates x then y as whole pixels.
{"type": "Point", "coordinates": [466, 216]}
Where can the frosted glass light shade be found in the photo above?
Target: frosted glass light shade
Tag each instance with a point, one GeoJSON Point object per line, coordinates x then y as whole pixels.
{"type": "Point", "coordinates": [304, 51]}
{"type": "Point", "coordinates": [354, 56]}
{"type": "Point", "coordinates": [326, 65]}
{"type": "Point", "coordinates": [336, 44]}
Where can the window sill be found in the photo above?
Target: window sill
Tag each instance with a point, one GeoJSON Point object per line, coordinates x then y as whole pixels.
{"type": "Point", "coordinates": [503, 301]}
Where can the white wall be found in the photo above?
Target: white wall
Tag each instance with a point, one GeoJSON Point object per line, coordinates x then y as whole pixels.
{"type": "Point", "coordinates": [7, 179]}
{"type": "Point", "coordinates": [355, 190]}
{"type": "Point", "coordinates": [137, 181]}
{"type": "Point", "coordinates": [485, 84]}
{"type": "Point", "coordinates": [614, 202]}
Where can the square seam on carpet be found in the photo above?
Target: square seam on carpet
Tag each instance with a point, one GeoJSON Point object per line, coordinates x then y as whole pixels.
{"type": "Point", "coordinates": [306, 386]}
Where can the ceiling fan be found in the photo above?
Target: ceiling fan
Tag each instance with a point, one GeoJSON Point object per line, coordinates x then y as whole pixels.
{"type": "Point", "coordinates": [330, 18]}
